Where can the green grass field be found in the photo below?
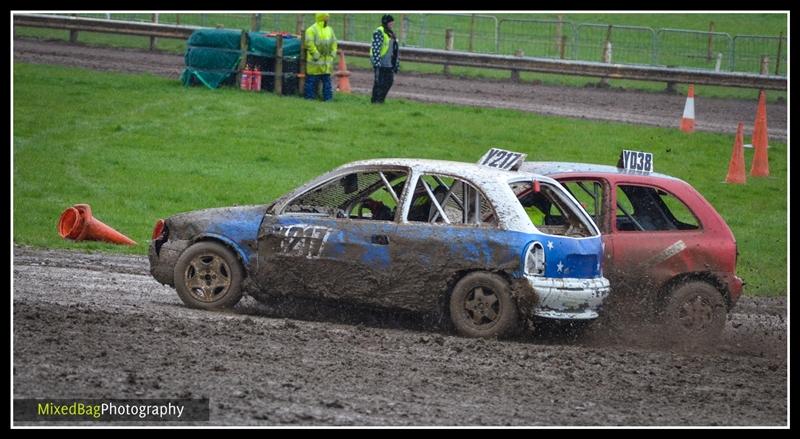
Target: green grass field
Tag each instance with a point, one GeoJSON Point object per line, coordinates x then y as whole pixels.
{"type": "Point", "coordinates": [139, 147]}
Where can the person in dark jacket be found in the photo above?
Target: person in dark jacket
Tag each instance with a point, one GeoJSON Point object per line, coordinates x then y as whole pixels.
{"type": "Point", "coordinates": [384, 56]}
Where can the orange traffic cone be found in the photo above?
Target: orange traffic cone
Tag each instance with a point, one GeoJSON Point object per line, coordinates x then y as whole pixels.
{"type": "Point", "coordinates": [736, 173]}
{"type": "Point", "coordinates": [343, 84]}
{"type": "Point", "coordinates": [78, 224]}
{"type": "Point", "coordinates": [760, 167]}
{"type": "Point", "coordinates": [687, 121]}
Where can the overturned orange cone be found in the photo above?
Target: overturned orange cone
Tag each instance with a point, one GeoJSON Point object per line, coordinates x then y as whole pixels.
{"type": "Point", "coordinates": [760, 166]}
{"type": "Point", "coordinates": [736, 173]}
{"type": "Point", "coordinates": [687, 121]}
{"type": "Point", "coordinates": [77, 223]}
{"type": "Point", "coordinates": [343, 83]}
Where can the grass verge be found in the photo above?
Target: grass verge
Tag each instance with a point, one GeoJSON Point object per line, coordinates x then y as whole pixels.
{"type": "Point", "coordinates": [140, 147]}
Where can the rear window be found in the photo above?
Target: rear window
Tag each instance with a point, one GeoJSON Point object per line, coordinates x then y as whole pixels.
{"type": "Point", "coordinates": [552, 211]}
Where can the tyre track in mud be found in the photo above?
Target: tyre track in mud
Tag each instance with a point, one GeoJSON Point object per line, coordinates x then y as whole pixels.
{"type": "Point", "coordinates": [628, 106]}
{"type": "Point", "coordinates": [97, 325]}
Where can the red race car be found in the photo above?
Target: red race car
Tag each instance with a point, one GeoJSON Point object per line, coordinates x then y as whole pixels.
{"type": "Point", "coordinates": [668, 254]}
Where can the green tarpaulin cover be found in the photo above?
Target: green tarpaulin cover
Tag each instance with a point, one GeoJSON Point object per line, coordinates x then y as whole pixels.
{"type": "Point", "coordinates": [212, 55]}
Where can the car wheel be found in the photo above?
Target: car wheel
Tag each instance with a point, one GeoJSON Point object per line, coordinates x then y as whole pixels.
{"type": "Point", "coordinates": [481, 306]}
{"type": "Point", "coordinates": [208, 276]}
{"type": "Point", "coordinates": [695, 313]}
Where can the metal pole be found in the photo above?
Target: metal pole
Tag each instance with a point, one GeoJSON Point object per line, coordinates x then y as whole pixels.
{"type": "Point", "coordinates": [255, 22]}
{"type": "Point", "coordinates": [559, 36]}
{"type": "Point", "coordinates": [472, 33]}
{"type": "Point", "coordinates": [403, 28]}
{"type": "Point", "coordinates": [448, 45]}
{"type": "Point", "coordinates": [719, 62]}
{"type": "Point", "coordinates": [279, 65]}
{"type": "Point", "coordinates": [301, 68]}
{"type": "Point", "coordinates": [710, 52]}
{"type": "Point", "coordinates": [563, 46]}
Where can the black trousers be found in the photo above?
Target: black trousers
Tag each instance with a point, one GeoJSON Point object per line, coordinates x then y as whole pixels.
{"type": "Point", "coordinates": [384, 78]}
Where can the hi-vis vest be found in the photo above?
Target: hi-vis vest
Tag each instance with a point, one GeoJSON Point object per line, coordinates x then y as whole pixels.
{"type": "Point", "coordinates": [384, 58]}
{"type": "Point", "coordinates": [321, 49]}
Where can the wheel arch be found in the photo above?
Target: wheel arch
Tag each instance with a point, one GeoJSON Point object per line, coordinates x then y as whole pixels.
{"type": "Point", "coordinates": [700, 276]}
{"type": "Point", "coordinates": [231, 245]}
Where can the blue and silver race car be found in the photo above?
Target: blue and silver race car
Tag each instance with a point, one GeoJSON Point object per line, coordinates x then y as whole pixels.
{"type": "Point", "coordinates": [421, 235]}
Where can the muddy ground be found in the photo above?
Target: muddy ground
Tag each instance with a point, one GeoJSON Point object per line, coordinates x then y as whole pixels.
{"type": "Point", "coordinates": [614, 104]}
{"type": "Point", "coordinates": [99, 326]}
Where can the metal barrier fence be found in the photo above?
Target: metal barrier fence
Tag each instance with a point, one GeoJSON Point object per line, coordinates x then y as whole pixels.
{"type": "Point", "coordinates": [472, 32]}
{"type": "Point", "coordinates": [629, 44]}
{"type": "Point", "coordinates": [748, 51]}
{"type": "Point", "coordinates": [430, 56]}
{"type": "Point", "coordinates": [557, 39]}
{"type": "Point", "coordinates": [696, 49]}
{"type": "Point", "coordinates": [541, 38]}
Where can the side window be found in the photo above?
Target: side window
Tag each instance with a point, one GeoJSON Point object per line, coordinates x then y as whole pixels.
{"type": "Point", "coordinates": [442, 199]}
{"type": "Point", "coordinates": [551, 210]}
{"type": "Point", "coordinates": [371, 195]}
{"type": "Point", "coordinates": [643, 208]}
{"type": "Point", "coordinates": [681, 216]}
{"type": "Point", "coordinates": [590, 194]}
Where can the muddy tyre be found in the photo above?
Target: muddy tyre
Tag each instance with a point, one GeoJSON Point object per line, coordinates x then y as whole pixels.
{"type": "Point", "coordinates": [208, 276]}
{"type": "Point", "coordinates": [694, 314]}
{"type": "Point", "coordinates": [481, 306]}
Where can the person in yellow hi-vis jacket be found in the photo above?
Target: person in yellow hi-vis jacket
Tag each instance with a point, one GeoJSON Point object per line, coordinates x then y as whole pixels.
{"type": "Point", "coordinates": [320, 51]}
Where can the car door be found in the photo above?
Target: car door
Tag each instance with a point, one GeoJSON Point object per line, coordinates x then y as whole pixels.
{"type": "Point", "coordinates": [441, 235]}
{"type": "Point", "coordinates": [652, 235]}
{"type": "Point", "coordinates": [594, 195]}
{"type": "Point", "coordinates": [327, 243]}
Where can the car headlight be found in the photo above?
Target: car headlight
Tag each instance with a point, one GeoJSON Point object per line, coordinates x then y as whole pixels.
{"type": "Point", "coordinates": [534, 260]}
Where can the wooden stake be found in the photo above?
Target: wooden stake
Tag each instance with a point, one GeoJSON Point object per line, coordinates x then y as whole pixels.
{"type": "Point", "coordinates": [73, 34]}
{"type": "Point", "coordinates": [243, 56]}
{"type": "Point", "coordinates": [448, 45]}
{"type": "Point", "coordinates": [153, 40]}
{"type": "Point", "coordinates": [515, 73]}
{"type": "Point", "coordinates": [279, 65]}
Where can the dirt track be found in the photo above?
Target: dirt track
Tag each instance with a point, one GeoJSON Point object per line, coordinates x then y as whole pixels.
{"type": "Point", "coordinates": [658, 109]}
{"type": "Point", "coordinates": [97, 325]}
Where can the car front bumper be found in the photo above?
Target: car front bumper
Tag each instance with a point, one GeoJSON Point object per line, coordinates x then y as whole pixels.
{"type": "Point", "coordinates": [568, 298]}
{"type": "Point", "coordinates": [162, 262]}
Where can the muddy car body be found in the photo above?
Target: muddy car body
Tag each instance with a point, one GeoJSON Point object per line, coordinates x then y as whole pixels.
{"type": "Point", "coordinates": [420, 235]}
{"type": "Point", "coordinates": [668, 253]}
